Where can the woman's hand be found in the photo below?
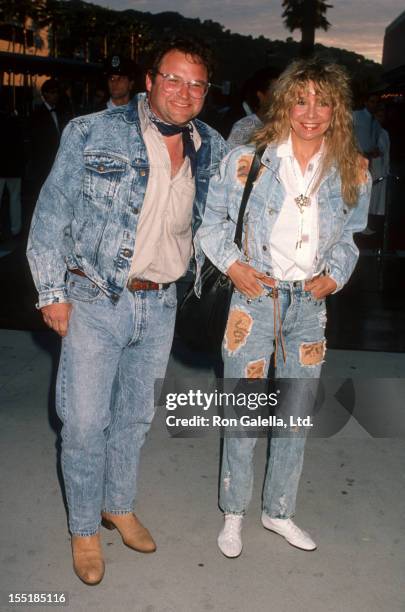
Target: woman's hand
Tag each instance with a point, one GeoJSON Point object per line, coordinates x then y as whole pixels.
{"type": "Point", "coordinates": [321, 286]}
{"type": "Point", "coordinates": [245, 278]}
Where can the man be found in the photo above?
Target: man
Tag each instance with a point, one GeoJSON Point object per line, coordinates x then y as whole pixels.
{"type": "Point", "coordinates": [381, 171]}
{"type": "Point", "coordinates": [257, 93]}
{"type": "Point", "coordinates": [46, 128]}
{"type": "Point", "coordinates": [121, 77]}
{"type": "Point", "coordinates": [99, 98]}
{"type": "Point", "coordinates": [368, 132]}
{"type": "Point", "coordinates": [12, 167]}
{"type": "Point", "coordinates": [111, 233]}
{"type": "Point", "coordinates": [367, 128]}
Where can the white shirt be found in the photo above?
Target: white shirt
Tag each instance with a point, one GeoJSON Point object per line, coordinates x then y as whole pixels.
{"type": "Point", "coordinates": [53, 114]}
{"type": "Point", "coordinates": [292, 262]}
{"type": "Point", "coordinates": [110, 104]}
{"type": "Point", "coordinates": [163, 244]}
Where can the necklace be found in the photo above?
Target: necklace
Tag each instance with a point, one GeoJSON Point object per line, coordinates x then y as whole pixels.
{"type": "Point", "coordinates": [303, 201]}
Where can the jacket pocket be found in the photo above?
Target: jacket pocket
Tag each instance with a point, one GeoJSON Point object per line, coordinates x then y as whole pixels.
{"type": "Point", "coordinates": [82, 289]}
{"type": "Point", "coordinates": [103, 174]}
{"type": "Point", "coordinates": [170, 296]}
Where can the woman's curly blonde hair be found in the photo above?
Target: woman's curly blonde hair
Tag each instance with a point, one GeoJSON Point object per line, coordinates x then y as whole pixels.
{"type": "Point", "coordinates": [331, 83]}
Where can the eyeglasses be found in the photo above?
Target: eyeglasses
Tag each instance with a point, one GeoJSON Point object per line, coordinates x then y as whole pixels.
{"type": "Point", "coordinates": [173, 83]}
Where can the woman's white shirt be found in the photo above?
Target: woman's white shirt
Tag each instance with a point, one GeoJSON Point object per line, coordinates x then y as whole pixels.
{"type": "Point", "coordinates": [289, 262]}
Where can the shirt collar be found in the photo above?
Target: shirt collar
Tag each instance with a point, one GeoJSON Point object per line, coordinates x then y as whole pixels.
{"type": "Point", "coordinates": [48, 106]}
{"type": "Point", "coordinates": [285, 149]}
{"type": "Point", "coordinates": [146, 123]}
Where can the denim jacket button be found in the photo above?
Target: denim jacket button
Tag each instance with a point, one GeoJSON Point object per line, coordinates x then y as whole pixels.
{"type": "Point", "coordinates": [142, 172]}
{"type": "Point", "coordinates": [101, 168]}
{"type": "Point", "coordinates": [136, 211]}
{"type": "Point", "coordinates": [264, 248]}
{"type": "Point", "coordinates": [127, 252]}
{"type": "Point", "coordinates": [271, 211]}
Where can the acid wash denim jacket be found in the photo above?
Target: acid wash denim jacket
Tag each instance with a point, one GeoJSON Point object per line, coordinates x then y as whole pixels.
{"type": "Point", "coordinates": [337, 253]}
{"type": "Point", "coordinates": [88, 209]}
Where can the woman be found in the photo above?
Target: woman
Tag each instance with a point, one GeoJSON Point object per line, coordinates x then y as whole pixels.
{"type": "Point", "coordinates": [310, 197]}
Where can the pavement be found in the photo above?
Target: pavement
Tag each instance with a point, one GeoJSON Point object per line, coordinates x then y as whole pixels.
{"type": "Point", "coordinates": [351, 500]}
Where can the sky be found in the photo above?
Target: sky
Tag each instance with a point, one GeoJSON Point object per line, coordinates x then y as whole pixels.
{"type": "Point", "coordinates": [357, 25]}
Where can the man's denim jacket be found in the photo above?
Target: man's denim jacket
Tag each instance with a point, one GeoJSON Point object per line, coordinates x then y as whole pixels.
{"type": "Point", "coordinates": [88, 209]}
{"type": "Point", "coordinates": [337, 253]}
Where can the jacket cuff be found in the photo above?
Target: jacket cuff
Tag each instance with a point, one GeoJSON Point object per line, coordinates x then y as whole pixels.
{"type": "Point", "coordinates": [54, 296]}
{"type": "Point", "coordinates": [229, 260]}
{"type": "Point", "coordinates": [337, 277]}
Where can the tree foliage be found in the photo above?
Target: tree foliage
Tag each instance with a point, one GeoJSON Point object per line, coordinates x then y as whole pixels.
{"type": "Point", "coordinates": [294, 14]}
{"type": "Point", "coordinates": [82, 30]}
{"type": "Point", "coordinates": [307, 16]}
{"type": "Point", "coordinates": [15, 12]}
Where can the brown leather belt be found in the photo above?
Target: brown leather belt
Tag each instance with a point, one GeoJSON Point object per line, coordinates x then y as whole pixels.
{"type": "Point", "coordinates": [134, 284]}
{"type": "Point", "coordinates": [140, 284]}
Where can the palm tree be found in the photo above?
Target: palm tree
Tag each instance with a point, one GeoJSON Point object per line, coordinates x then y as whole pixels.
{"type": "Point", "coordinates": [307, 16]}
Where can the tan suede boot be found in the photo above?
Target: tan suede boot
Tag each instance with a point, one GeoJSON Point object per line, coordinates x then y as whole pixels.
{"type": "Point", "coordinates": [132, 532]}
{"type": "Point", "coordinates": [88, 561]}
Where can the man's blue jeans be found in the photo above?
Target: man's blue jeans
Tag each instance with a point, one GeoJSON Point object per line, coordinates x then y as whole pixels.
{"type": "Point", "coordinates": [110, 359]}
{"type": "Point", "coordinates": [247, 350]}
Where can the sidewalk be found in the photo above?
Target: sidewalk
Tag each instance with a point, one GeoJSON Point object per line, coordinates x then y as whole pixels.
{"type": "Point", "coordinates": [351, 500]}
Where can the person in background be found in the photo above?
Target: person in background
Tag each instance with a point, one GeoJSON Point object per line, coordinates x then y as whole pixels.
{"type": "Point", "coordinates": [368, 130]}
{"type": "Point", "coordinates": [256, 94]}
{"type": "Point", "coordinates": [122, 76]}
{"type": "Point", "coordinates": [100, 97]}
{"type": "Point", "coordinates": [46, 128]}
{"type": "Point", "coordinates": [310, 197]}
{"type": "Point", "coordinates": [380, 170]}
{"type": "Point", "coordinates": [11, 168]}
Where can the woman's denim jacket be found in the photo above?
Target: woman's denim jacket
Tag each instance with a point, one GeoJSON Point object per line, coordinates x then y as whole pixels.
{"type": "Point", "coordinates": [88, 209]}
{"type": "Point", "coordinates": [337, 253]}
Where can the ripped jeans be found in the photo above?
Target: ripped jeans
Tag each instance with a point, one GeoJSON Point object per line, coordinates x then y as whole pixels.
{"type": "Point", "coordinates": [247, 349]}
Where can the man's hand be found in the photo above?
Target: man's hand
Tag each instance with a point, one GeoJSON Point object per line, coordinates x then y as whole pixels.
{"type": "Point", "coordinates": [245, 278]}
{"type": "Point", "coordinates": [320, 286]}
{"type": "Point", "coordinates": [57, 316]}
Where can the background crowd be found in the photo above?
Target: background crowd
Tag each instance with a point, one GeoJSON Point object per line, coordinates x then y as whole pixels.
{"type": "Point", "coordinates": [30, 143]}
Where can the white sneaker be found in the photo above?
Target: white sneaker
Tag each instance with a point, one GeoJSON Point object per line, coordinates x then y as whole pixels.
{"type": "Point", "coordinates": [229, 539]}
{"type": "Point", "coordinates": [290, 531]}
